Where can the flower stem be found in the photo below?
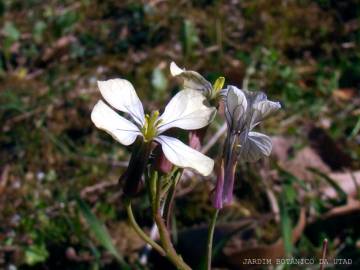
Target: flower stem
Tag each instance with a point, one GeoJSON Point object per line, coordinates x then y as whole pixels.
{"type": "Point", "coordinates": [323, 257]}
{"type": "Point", "coordinates": [163, 231]}
{"type": "Point", "coordinates": [139, 231]}
{"type": "Point", "coordinates": [169, 201]}
{"type": "Point", "coordinates": [153, 182]}
{"type": "Point", "coordinates": [210, 239]}
{"type": "Point", "coordinates": [168, 247]}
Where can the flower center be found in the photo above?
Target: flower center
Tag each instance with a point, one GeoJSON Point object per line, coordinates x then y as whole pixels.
{"type": "Point", "coordinates": [149, 130]}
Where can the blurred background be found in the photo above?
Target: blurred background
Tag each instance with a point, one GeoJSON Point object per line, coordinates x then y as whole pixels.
{"type": "Point", "coordinates": [303, 53]}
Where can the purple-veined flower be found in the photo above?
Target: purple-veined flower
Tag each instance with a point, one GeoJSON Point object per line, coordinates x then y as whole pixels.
{"type": "Point", "coordinates": [244, 110]}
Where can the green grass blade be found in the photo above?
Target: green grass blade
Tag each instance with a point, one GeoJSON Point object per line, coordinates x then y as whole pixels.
{"type": "Point", "coordinates": [100, 232]}
{"type": "Point", "coordinates": [286, 226]}
{"type": "Point", "coordinates": [341, 193]}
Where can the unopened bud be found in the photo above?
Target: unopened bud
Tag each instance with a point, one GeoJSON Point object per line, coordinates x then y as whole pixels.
{"type": "Point", "coordinates": [161, 163]}
{"type": "Point", "coordinates": [196, 138]}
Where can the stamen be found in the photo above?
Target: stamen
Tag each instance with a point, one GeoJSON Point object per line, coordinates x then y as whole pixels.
{"type": "Point", "coordinates": [218, 85]}
{"type": "Point", "coordinates": [149, 129]}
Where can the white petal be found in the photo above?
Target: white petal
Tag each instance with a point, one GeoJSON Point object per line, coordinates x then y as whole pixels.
{"type": "Point", "coordinates": [235, 106]}
{"type": "Point", "coordinates": [192, 79]}
{"type": "Point", "coordinates": [117, 126]}
{"type": "Point", "coordinates": [256, 146]}
{"type": "Point", "coordinates": [184, 156]}
{"type": "Point", "coordinates": [175, 70]}
{"type": "Point", "coordinates": [262, 110]}
{"type": "Point", "coordinates": [186, 110]}
{"type": "Point", "coordinates": [121, 95]}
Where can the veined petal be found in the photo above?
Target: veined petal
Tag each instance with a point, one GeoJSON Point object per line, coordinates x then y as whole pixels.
{"type": "Point", "coordinates": [255, 146]}
{"type": "Point", "coordinates": [192, 79]}
{"type": "Point", "coordinates": [186, 110]}
{"type": "Point", "coordinates": [235, 107]}
{"type": "Point", "coordinates": [254, 97]}
{"type": "Point", "coordinates": [121, 94]}
{"type": "Point", "coordinates": [262, 110]}
{"type": "Point", "coordinates": [117, 126]}
{"type": "Point", "coordinates": [229, 180]}
{"type": "Point", "coordinates": [184, 156]}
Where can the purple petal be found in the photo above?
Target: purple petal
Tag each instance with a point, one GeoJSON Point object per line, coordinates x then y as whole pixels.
{"type": "Point", "coordinates": [227, 195]}
{"type": "Point", "coordinates": [218, 195]}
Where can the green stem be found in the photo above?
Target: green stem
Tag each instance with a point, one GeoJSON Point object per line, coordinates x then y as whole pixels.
{"type": "Point", "coordinates": [157, 194]}
{"type": "Point", "coordinates": [210, 239]}
{"type": "Point", "coordinates": [164, 234]}
{"type": "Point", "coordinates": [168, 247]}
{"type": "Point", "coordinates": [169, 202]}
{"type": "Point", "coordinates": [153, 187]}
{"type": "Point", "coordinates": [139, 231]}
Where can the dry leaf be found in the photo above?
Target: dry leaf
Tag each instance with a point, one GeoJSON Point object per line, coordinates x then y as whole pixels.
{"type": "Point", "coordinates": [344, 94]}
{"type": "Point", "coordinates": [304, 159]}
{"type": "Point", "coordinates": [348, 182]}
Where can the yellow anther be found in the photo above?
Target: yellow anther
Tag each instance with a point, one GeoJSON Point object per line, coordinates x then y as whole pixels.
{"type": "Point", "coordinates": [149, 130]}
{"type": "Point", "coordinates": [155, 114]}
{"type": "Point", "coordinates": [219, 84]}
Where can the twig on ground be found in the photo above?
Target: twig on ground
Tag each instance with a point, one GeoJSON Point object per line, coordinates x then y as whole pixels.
{"type": "Point", "coordinates": [324, 249]}
{"type": "Point", "coordinates": [221, 131]}
{"type": "Point", "coordinates": [98, 186]}
{"type": "Point", "coordinates": [4, 178]}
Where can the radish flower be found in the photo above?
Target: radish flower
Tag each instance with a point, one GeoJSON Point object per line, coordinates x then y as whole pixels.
{"type": "Point", "coordinates": [213, 93]}
{"type": "Point", "coordinates": [186, 110]}
{"type": "Point", "coordinates": [193, 80]}
{"type": "Point", "coordinates": [244, 110]}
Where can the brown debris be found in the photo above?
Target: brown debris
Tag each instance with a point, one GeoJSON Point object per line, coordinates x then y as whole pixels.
{"type": "Point", "coordinates": [4, 178]}
{"type": "Point", "coordinates": [235, 256]}
{"type": "Point", "coordinates": [329, 150]}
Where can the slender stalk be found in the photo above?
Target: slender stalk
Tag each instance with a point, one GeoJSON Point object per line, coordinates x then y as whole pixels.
{"type": "Point", "coordinates": [323, 257]}
{"type": "Point", "coordinates": [153, 187]}
{"type": "Point", "coordinates": [210, 239]}
{"type": "Point", "coordinates": [168, 247]}
{"type": "Point", "coordinates": [157, 202]}
{"type": "Point", "coordinates": [164, 234]}
{"type": "Point", "coordinates": [139, 231]}
{"type": "Point", "coordinates": [168, 205]}
{"type": "Point", "coordinates": [169, 201]}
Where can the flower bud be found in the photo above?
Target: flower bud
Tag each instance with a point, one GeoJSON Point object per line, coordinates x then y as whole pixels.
{"type": "Point", "coordinates": [196, 138]}
{"type": "Point", "coordinates": [161, 163]}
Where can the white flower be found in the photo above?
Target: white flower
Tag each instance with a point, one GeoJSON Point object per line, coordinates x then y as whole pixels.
{"type": "Point", "coordinates": [244, 110]}
{"type": "Point", "coordinates": [193, 80]}
{"type": "Point", "coordinates": [186, 110]}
